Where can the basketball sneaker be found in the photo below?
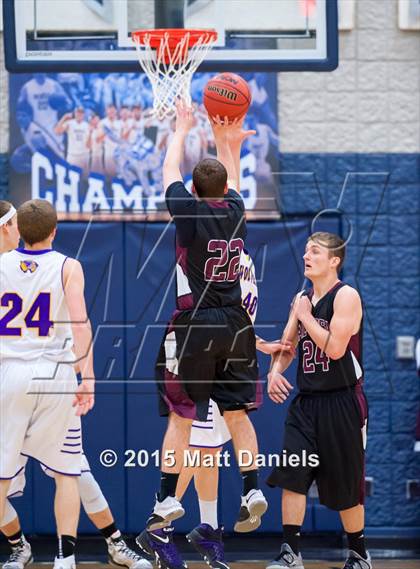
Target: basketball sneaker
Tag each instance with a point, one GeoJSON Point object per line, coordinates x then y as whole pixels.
{"type": "Point", "coordinates": [164, 513]}
{"type": "Point", "coordinates": [159, 544]}
{"type": "Point", "coordinates": [356, 561]}
{"type": "Point", "coordinates": [21, 555]}
{"type": "Point", "coordinates": [121, 555]}
{"type": "Point", "coordinates": [286, 558]}
{"type": "Point", "coordinates": [253, 506]}
{"type": "Point", "coordinates": [209, 544]}
{"type": "Point", "coordinates": [65, 562]}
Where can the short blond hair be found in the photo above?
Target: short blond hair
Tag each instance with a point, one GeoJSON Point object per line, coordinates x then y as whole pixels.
{"type": "Point", "coordinates": [336, 245]}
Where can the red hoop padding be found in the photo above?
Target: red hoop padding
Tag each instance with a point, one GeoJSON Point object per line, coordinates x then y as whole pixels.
{"type": "Point", "coordinates": [156, 36]}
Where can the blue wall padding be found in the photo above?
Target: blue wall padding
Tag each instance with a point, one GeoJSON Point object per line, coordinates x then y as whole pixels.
{"type": "Point", "coordinates": [130, 295]}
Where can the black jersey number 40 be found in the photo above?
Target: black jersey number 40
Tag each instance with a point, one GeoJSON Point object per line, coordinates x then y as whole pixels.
{"type": "Point", "coordinates": [224, 265]}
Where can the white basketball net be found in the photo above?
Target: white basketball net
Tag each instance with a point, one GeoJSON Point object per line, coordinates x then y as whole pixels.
{"type": "Point", "coordinates": [170, 70]}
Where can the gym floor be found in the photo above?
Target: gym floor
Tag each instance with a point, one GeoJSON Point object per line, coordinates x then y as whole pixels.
{"type": "Point", "coordinates": [250, 553]}
{"type": "Point", "coordinates": [381, 564]}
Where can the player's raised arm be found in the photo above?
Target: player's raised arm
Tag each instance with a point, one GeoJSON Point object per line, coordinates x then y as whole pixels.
{"type": "Point", "coordinates": [74, 284]}
{"type": "Point", "coordinates": [175, 151]}
{"type": "Point", "coordinates": [344, 324]}
{"type": "Point", "coordinates": [224, 153]}
{"type": "Point", "coordinates": [63, 124]}
{"type": "Point", "coordinates": [236, 136]}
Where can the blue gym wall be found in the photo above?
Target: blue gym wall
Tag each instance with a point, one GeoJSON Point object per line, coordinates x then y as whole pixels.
{"type": "Point", "coordinates": [382, 260]}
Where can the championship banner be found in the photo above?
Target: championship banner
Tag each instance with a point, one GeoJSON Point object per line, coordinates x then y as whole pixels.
{"type": "Point", "coordinates": [88, 144]}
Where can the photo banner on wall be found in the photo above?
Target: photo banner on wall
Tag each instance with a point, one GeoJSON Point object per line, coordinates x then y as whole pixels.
{"type": "Point", "coordinates": [88, 143]}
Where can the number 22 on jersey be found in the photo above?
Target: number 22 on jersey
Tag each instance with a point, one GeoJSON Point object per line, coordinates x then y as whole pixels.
{"type": "Point", "coordinates": [219, 268]}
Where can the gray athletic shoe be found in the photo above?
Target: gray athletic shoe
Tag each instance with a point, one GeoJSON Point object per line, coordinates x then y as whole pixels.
{"type": "Point", "coordinates": [121, 555]}
{"type": "Point", "coordinates": [355, 561]}
{"type": "Point", "coordinates": [21, 555]}
{"type": "Point", "coordinates": [286, 558]}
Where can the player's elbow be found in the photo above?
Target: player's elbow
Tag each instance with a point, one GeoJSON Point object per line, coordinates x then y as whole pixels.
{"type": "Point", "coordinates": [336, 353]}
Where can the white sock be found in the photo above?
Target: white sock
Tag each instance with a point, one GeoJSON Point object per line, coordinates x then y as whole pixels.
{"type": "Point", "coordinates": [208, 513]}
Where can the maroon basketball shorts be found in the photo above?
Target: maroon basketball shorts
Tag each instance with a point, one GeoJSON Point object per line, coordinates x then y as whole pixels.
{"type": "Point", "coordinates": [332, 426]}
{"type": "Point", "coordinates": [209, 353]}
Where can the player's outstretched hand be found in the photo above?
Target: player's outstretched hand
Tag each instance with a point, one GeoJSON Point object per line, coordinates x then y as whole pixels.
{"type": "Point", "coordinates": [184, 117]}
{"type": "Point", "coordinates": [278, 387]}
{"type": "Point", "coordinates": [85, 397]}
{"type": "Point", "coordinates": [233, 132]}
{"type": "Point", "coordinates": [276, 346]}
{"type": "Point", "coordinates": [236, 133]}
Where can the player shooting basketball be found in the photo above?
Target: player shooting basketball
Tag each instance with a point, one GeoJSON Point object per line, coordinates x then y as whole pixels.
{"type": "Point", "coordinates": [210, 229]}
{"type": "Point", "coordinates": [208, 438]}
{"type": "Point", "coordinates": [328, 417]}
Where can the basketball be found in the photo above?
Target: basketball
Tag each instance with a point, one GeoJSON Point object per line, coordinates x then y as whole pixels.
{"type": "Point", "coordinates": [227, 95]}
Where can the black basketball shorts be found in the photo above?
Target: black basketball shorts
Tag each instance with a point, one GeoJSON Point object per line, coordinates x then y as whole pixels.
{"type": "Point", "coordinates": [209, 353]}
{"type": "Point", "coordinates": [331, 425]}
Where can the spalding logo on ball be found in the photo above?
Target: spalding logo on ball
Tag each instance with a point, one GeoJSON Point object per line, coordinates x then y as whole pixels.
{"type": "Point", "coordinates": [227, 95]}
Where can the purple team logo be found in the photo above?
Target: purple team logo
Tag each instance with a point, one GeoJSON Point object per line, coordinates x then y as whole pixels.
{"type": "Point", "coordinates": [28, 266]}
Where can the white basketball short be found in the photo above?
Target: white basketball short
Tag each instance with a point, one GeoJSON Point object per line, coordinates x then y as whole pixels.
{"type": "Point", "coordinates": [37, 418]}
{"type": "Point", "coordinates": [213, 432]}
{"type": "Point", "coordinates": [91, 494]}
{"type": "Point", "coordinates": [18, 483]}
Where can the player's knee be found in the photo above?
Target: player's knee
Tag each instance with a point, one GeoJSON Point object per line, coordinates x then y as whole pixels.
{"type": "Point", "coordinates": [10, 514]}
{"type": "Point", "coordinates": [65, 482]}
{"type": "Point", "coordinates": [93, 500]}
{"type": "Point", "coordinates": [290, 495]}
{"type": "Point", "coordinates": [233, 418]}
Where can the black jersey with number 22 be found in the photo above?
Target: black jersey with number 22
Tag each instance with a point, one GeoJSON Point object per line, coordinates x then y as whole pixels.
{"type": "Point", "coordinates": [209, 240]}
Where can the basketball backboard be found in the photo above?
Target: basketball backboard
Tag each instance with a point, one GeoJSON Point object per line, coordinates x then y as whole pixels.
{"type": "Point", "coordinates": [95, 35]}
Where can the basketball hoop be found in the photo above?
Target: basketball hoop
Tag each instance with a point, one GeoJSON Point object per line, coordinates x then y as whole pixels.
{"type": "Point", "coordinates": [170, 57]}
